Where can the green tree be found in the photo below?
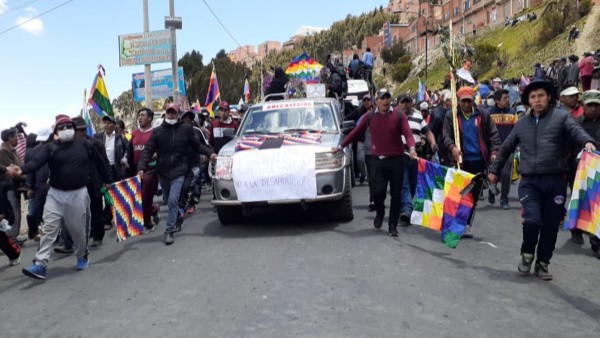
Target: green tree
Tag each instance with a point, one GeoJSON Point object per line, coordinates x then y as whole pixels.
{"type": "Point", "coordinates": [394, 53]}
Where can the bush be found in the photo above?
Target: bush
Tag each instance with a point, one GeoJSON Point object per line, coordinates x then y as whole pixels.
{"type": "Point", "coordinates": [585, 7]}
{"type": "Point", "coordinates": [553, 24]}
{"type": "Point", "coordinates": [400, 71]}
{"type": "Point", "coordinates": [485, 57]}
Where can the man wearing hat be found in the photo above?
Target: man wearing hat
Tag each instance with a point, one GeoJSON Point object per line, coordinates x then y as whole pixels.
{"type": "Point", "coordinates": [95, 183]}
{"type": "Point", "coordinates": [570, 100]}
{"type": "Point", "coordinates": [139, 139]}
{"type": "Point", "coordinates": [590, 121]}
{"type": "Point", "coordinates": [572, 78]}
{"type": "Point", "coordinates": [387, 127]}
{"type": "Point", "coordinates": [223, 128]}
{"type": "Point", "coordinates": [175, 145]}
{"type": "Point", "coordinates": [115, 146]}
{"type": "Point", "coordinates": [479, 142]}
{"type": "Point", "coordinates": [496, 84]}
{"type": "Point", "coordinates": [543, 137]}
{"type": "Point", "coordinates": [68, 201]}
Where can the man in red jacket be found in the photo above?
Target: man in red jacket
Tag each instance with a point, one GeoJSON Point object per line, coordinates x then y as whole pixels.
{"type": "Point", "coordinates": [387, 128]}
{"type": "Point", "coordinates": [139, 138]}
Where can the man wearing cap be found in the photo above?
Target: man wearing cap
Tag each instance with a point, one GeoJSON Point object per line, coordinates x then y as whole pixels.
{"type": "Point", "coordinates": [590, 121]}
{"type": "Point", "coordinates": [436, 125]}
{"type": "Point", "coordinates": [570, 100]}
{"type": "Point", "coordinates": [387, 127]}
{"type": "Point", "coordinates": [505, 119]}
{"type": "Point", "coordinates": [68, 200]}
{"type": "Point", "coordinates": [420, 131]}
{"type": "Point", "coordinates": [175, 145]}
{"type": "Point", "coordinates": [543, 137]}
{"type": "Point", "coordinates": [479, 142]}
{"type": "Point", "coordinates": [496, 84]}
{"type": "Point", "coordinates": [586, 67]}
{"type": "Point", "coordinates": [139, 139]}
{"type": "Point", "coordinates": [94, 185]}
{"type": "Point", "coordinates": [116, 148]}
{"type": "Point", "coordinates": [223, 128]}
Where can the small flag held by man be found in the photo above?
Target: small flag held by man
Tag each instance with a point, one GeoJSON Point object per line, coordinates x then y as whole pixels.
{"type": "Point", "coordinates": [126, 197]}
{"type": "Point", "coordinates": [440, 201]}
{"type": "Point", "coordinates": [213, 96]}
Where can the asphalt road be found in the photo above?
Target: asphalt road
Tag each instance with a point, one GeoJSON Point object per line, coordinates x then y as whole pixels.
{"type": "Point", "coordinates": [286, 273]}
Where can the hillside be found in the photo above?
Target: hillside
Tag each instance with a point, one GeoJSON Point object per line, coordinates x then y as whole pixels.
{"type": "Point", "coordinates": [516, 45]}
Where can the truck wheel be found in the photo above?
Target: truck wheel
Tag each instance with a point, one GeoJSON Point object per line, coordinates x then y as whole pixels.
{"type": "Point", "coordinates": [341, 210]}
{"type": "Point", "coordinates": [229, 214]}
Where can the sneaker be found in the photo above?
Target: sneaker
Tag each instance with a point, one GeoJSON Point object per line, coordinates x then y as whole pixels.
{"type": "Point", "coordinates": [156, 218]}
{"type": "Point", "coordinates": [371, 207]}
{"type": "Point", "coordinates": [148, 230]}
{"type": "Point", "coordinates": [35, 271]}
{"type": "Point", "coordinates": [577, 237]}
{"type": "Point", "coordinates": [525, 264]}
{"type": "Point", "coordinates": [467, 233]}
{"type": "Point", "coordinates": [541, 270]}
{"type": "Point", "coordinates": [191, 210]}
{"type": "Point", "coordinates": [392, 230]}
{"type": "Point", "coordinates": [378, 222]}
{"type": "Point", "coordinates": [96, 243]}
{"type": "Point", "coordinates": [178, 223]}
{"type": "Point", "coordinates": [504, 205]}
{"type": "Point", "coordinates": [15, 261]}
{"type": "Point", "coordinates": [169, 239]}
{"type": "Point", "coordinates": [491, 197]}
{"type": "Point", "coordinates": [405, 219]}
{"type": "Point", "coordinates": [82, 264]}
{"type": "Point", "coordinates": [63, 249]}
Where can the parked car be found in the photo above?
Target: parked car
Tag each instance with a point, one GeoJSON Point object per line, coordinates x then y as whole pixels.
{"type": "Point", "coordinates": [310, 127]}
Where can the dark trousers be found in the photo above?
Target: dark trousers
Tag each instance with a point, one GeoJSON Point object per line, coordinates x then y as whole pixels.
{"type": "Point", "coordinates": [107, 212]}
{"type": "Point", "coordinates": [542, 200]}
{"type": "Point", "coordinates": [149, 188]}
{"type": "Point", "coordinates": [505, 178]}
{"type": "Point", "coordinates": [35, 219]}
{"type": "Point", "coordinates": [369, 163]}
{"type": "Point", "coordinates": [474, 167]}
{"type": "Point", "coordinates": [96, 213]}
{"type": "Point", "coordinates": [387, 170]}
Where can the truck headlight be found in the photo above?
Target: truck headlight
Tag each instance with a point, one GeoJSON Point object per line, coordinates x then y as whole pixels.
{"type": "Point", "coordinates": [329, 161]}
{"type": "Point", "coordinates": [223, 168]}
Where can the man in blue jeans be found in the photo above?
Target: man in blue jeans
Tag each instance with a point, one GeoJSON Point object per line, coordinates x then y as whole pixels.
{"type": "Point", "coordinates": [175, 145]}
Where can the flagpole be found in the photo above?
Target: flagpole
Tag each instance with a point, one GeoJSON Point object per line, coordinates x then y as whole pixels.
{"type": "Point", "coordinates": [454, 98]}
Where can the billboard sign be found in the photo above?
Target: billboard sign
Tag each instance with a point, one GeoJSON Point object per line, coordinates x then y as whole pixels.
{"type": "Point", "coordinates": [145, 48]}
{"type": "Point", "coordinates": [162, 84]}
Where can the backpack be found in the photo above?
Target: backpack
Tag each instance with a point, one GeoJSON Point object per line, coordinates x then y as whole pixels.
{"type": "Point", "coordinates": [355, 69]}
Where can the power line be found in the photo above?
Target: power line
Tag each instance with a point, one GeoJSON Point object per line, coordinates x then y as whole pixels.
{"type": "Point", "coordinates": [222, 25]}
{"type": "Point", "coordinates": [17, 7]}
{"type": "Point", "coordinates": [35, 17]}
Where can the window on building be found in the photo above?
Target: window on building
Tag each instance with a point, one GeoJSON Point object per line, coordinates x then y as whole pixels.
{"type": "Point", "coordinates": [456, 10]}
{"type": "Point", "coordinates": [446, 16]}
{"type": "Point", "coordinates": [467, 4]}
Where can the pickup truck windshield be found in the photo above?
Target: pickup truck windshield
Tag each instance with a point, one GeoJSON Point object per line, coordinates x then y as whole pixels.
{"type": "Point", "coordinates": [290, 116]}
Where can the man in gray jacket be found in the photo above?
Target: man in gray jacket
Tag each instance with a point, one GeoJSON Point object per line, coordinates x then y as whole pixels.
{"type": "Point", "coordinates": [543, 137]}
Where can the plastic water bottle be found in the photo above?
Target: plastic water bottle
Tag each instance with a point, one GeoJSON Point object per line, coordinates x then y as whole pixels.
{"type": "Point", "coordinates": [4, 226]}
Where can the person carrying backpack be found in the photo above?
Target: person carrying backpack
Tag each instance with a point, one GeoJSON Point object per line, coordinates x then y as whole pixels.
{"type": "Point", "coordinates": [356, 68]}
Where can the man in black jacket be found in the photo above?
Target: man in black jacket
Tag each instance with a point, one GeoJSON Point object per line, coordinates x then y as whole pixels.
{"type": "Point", "coordinates": [543, 137]}
{"type": "Point", "coordinates": [116, 148]}
{"type": "Point", "coordinates": [176, 145]}
{"type": "Point", "coordinates": [68, 201]}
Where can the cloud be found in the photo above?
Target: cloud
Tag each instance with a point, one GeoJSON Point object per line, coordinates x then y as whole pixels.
{"type": "Point", "coordinates": [2, 6]}
{"type": "Point", "coordinates": [34, 26]}
{"type": "Point", "coordinates": [73, 109]}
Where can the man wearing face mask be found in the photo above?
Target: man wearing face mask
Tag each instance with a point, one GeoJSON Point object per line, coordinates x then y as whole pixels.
{"type": "Point", "coordinates": [68, 201]}
{"type": "Point", "coordinates": [175, 145]}
{"type": "Point", "coordinates": [505, 119]}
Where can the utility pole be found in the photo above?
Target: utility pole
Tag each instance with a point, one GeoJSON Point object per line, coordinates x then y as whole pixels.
{"type": "Point", "coordinates": [147, 70]}
{"type": "Point", "coordinates": [174, 53]}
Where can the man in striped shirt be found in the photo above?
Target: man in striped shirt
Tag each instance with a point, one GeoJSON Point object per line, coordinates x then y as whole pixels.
{"type": "Point", "coordinates": [420, 131]}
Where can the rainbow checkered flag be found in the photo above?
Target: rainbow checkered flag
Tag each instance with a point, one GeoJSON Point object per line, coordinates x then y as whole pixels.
{"type": "Point", "coordinates": [584, 206]}
{"type": "Point", "coordinates": [126, 196]}
{"type": "Point", "coordinates": [441, 201]}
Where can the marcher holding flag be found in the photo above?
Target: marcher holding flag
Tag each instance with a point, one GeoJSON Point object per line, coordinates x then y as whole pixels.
{"type": "Point", "coordinates": [543, 137]}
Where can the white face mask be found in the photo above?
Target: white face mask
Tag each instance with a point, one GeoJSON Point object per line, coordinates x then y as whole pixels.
{"type": "Point", "coordinates": [171, 121]}
{"type": "Point", "coordinates": [490, 102]}
{"type": "Point", "coordinates": [66, 135]}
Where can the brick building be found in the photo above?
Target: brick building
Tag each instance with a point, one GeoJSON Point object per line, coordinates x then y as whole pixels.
{"type": "Point", "coordinates": [267, 47]}
{"type": "Point", "coordinates": [246, 54]}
